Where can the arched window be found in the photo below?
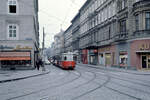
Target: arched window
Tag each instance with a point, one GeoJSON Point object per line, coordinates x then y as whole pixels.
{"type": "Point", "coordinates": [12, 6]}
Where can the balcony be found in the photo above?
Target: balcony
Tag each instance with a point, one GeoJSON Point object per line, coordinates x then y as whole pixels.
{"type": "Point", "coordinates": [141, 5]}
{"type": "Point", "coordinates": [141, 34]}
{"type": "Point", "coordinates": [122, 36]}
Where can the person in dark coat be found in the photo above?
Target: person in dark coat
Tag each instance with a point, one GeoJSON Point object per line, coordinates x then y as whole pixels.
{"type": "Point", "coordinates": [37, 65]}
{"type": "Point", "coordinates": [40, 63]}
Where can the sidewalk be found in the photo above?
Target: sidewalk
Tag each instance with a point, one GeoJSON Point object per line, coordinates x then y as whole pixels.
{"type": "Point", "coordinates": [137, 72]}
{"type": "Point", "coordinates": [13, 75]}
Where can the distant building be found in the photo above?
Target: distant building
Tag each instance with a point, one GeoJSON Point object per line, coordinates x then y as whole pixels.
{"type": "Point", "coordinates": [57, 46]}
{"type": "Point", "coordinates": [19, 33]}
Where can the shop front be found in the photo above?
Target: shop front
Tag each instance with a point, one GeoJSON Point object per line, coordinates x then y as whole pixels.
{"type": "Point", "coordinates": [15, 59]}
{"type": "Point", "coordinates": [106, 55]}
{"type": "Point", "coordinates": [84, 56]}
{"type": "Point", "coordinates": [17, 55]}
{"type": "Point", "coordinates": [123, 54]}
{"type": "Point", "coordinates": [93, 56]}
{"type": "Point", "coordinates": [140, 56]}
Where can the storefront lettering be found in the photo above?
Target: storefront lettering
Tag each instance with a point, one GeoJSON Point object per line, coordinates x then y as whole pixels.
{"type": "Point", "coordinates": [18, 47]}
{"type": "Point", "coordinates": [104, 49]}
{"type": "Point", "coordinates": [5, 47]}
{"type": "Point", "coordinates": [144, 47]}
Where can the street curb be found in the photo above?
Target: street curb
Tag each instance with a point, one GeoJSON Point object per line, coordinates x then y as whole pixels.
{"type": "Point", "coordinates": [115, 69]}
{"type": "Point", "coordinates": [21, 78]}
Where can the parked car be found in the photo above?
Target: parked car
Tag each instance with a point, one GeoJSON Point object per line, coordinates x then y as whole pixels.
{"type": "Point", "coordinates": [47, 62]}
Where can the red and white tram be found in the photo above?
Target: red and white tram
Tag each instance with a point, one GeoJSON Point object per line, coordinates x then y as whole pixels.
{"type": "Point", "coordinates": [65, 61]}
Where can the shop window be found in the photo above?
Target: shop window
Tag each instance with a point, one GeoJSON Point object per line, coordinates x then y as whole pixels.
{"type": "Point", "coordinates": [123, 58]}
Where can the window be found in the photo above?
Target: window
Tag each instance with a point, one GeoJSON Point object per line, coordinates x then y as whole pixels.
{"type": "Point", "coordinates": [123, 26]}
{"type": "Point", "coordinates": [137, 22]}
{"type": "Point", "coordinates": [147, 20]}
{"type": "Point", "coordinates": [122, 4]}
{"type": "Point", "coordinates": [12, 31]}
{"type": "Point", "coordinates": [12, 6]}
{"type": "Point", "coordinates": [123, 58]}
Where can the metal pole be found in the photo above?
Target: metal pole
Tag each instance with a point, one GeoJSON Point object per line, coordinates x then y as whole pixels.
{"type": "Point", "coordinates": [43, 68]}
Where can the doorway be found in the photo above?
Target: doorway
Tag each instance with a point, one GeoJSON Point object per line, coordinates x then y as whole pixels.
{"type": "Point", "coordinates": [146, 61]}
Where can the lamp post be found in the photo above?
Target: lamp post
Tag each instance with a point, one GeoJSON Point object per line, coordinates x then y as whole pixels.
{"type": "Point", "coordinates": [43, 47]}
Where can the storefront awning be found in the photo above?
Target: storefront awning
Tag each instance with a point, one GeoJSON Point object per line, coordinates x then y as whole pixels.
{"type": "Point", "coordinates": [15, 56]}
{"type": "Point", "coordinates": [143, 52]}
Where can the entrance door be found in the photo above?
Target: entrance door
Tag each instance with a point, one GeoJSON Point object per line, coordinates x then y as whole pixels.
{"type": "Point", "coordinates": [108, 59]}
{"type": "Point", "coordinates": [144, 62]}
{"type": "Point", "coordinates": [148, 61]}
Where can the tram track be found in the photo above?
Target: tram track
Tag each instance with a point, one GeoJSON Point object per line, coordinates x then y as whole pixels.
{"type": "Point", "coordinates": [36, 85]}
{"type": "Point", "coordinates": [44, 89]}
{"type": "Point", "coordinates": [115, 90]}
{"type": "Point", "coordinates": [70, 89]}
{"type": "Point", "coordinates": [129, 79]}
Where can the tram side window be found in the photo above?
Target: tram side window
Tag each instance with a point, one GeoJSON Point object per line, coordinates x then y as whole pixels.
{"type": "Point", "coordinates": [65, 58]}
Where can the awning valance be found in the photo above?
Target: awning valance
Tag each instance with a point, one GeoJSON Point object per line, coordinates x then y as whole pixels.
{"type": "Point", "coordinates": [15, 56]}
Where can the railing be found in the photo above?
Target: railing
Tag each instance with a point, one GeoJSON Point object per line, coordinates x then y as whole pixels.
{"type": "Point", "coordinates": [141, 33]}
{"type": "Point", "coordinates": [121, 36]}
{"type": "Point", "coordinates": [140, 3]}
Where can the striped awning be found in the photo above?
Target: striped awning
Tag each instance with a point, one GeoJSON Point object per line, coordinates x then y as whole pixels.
{"type": "Point", "coordinates": [15, 56]}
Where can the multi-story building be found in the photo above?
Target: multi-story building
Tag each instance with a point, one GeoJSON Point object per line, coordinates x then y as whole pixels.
{"type": "Point", "coordinates": [59, 43]}
{"type": "Point", "coordinates": [115, 33]}
{"type": "Point", "coordinates": [97, 25]}
{"type": "Point", "coordinates": [52, 50]}
{"type": "Point", "coordinates": [75, 36]}
{"type": "Point", "coordinates": [68, 40]}
{"type": "Point", "coordinates": [19, 33]}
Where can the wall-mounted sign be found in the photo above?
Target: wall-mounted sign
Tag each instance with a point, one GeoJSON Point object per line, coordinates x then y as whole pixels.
{"type": "Point", "coordinates": [144, 47]}
{"type": "Point", "coordinates": [18, 47]}
{"type": "Point", "coordinates": [5, 47]}
{"type": "Point", "coordinates": [104, 49]}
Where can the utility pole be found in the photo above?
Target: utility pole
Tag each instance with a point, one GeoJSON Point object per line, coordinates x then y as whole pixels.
{"type": "Point", "coordinates": [43, 47]}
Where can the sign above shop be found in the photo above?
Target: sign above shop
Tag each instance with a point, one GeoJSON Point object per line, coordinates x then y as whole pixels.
{"type": "Point", "coordinates": [18, 47]}
{"type": "Point", "coordinates": [144, 47]}
{"type": "Point", "coordinates": [5, 47]}
{"type": "Point", "coordinates": [104, 49]}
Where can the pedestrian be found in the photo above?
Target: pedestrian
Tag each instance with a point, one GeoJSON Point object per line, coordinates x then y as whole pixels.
{"type": "Point", "coordinates": [40, 63]}
{"type": "Point", "coordinates": [37, 65]}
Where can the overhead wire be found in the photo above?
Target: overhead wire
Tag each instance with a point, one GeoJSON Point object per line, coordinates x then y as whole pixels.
{"type": "Point", "coordinates": [44, 12]}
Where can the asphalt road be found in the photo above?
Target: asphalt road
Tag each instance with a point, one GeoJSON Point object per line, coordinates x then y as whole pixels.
{"type": "Point", "coordinates": [83, 83]}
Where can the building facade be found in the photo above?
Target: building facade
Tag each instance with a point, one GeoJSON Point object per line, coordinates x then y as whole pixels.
{"type": "Point", "coordinates": [116, 33]}
{"type": "Point", "coordinates": [75, 37]}
{"type": "Point", "coordinates": [68, 40]}
{"type": "Point", "coordinates": [19, 33]}
{"type": "Point", "coordinates": [111, 33]}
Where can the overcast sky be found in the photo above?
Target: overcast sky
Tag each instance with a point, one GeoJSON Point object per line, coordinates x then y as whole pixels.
{"type": "Point", "coordinates": [56, 13]}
